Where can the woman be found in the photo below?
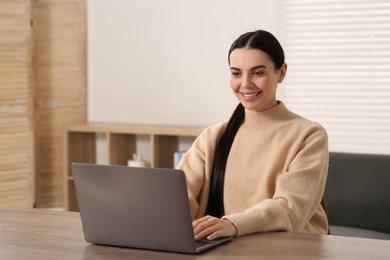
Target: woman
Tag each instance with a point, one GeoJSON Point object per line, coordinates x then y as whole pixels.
{"type": "Point", "coordinates": [265, 169]}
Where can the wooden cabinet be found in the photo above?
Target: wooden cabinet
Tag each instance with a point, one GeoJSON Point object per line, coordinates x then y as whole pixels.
{"type": "Point", "coordinates": [16, 105]}
{"type": "Point", "coordinates": [43, 88]}
{"type": "Point", "coordinates": [60, 89]}
{"type": "Point", "coordinates": [121, 144]}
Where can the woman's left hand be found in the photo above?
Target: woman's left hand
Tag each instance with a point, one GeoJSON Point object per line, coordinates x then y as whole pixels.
{"type": "Point", "coordinates": [212, 228]}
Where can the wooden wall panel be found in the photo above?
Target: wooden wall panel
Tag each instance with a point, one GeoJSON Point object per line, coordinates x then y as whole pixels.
{"type": "Point", "coordinates": [60, 88]}
{"type": "Point", "coordinates": [16, 105]}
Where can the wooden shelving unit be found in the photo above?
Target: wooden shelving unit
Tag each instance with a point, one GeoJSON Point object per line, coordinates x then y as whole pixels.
{"type": "Point", "coordinates": [80, 146]}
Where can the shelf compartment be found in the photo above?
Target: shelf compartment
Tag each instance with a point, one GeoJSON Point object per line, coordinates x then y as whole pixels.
{"type": "Point", "coordinates": [163, 147]}
{"type": "Point", "coordinates": [121, 148]}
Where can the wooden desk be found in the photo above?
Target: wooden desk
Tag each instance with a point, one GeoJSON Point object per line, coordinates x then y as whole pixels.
{"type": "Point", "coordinates": [43, 234]}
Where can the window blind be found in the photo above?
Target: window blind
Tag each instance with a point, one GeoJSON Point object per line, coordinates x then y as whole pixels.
{"type": "Point", "coordinates": [338, 55]}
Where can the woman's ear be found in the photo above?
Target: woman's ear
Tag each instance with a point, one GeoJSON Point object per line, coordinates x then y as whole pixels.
{"type": "Point", "coordinates": [282, 72]}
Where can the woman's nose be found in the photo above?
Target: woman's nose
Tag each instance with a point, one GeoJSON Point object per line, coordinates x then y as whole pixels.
{"type": "Point", "coordinates": [246, 81]}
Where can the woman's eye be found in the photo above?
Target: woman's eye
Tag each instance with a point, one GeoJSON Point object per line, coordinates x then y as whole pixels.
{"type": "Point", "coordinates": [258, 73]}
{"type": "Point", "coordinates": [235, 73]}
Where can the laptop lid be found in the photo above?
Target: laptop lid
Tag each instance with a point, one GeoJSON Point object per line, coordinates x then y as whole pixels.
{"type": "Point", "coordinates": [135, 207]}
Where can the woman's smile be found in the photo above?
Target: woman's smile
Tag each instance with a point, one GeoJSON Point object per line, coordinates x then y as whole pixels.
{"type": "Point", "coordinates": [250, 95]}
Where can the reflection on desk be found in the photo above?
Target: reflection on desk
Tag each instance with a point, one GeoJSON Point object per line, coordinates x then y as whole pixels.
{"type": "Point", "coordinates": [44, 234]}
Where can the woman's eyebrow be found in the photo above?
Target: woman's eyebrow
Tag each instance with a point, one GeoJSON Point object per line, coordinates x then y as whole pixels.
{"type": "Point", "coordinates": [259, 67]}
{"type": "Point", "coordinates": [255, 67]}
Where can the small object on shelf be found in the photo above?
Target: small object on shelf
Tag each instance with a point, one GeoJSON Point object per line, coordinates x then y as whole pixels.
{"type": "Point", "coordinates": [137, 161]}
{"type": "Point", "coordinates": [177, 158]}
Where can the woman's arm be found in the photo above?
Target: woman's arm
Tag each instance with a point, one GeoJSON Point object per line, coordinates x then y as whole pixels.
{"type": "Point", "coordinates": [298, 193]}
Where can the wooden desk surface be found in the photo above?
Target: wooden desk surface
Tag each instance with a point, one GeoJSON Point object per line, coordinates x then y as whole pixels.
{"type": "Point", "coordinates": [44, 234]}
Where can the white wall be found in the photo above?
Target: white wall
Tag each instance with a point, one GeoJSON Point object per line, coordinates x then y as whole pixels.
{"type": "Point", "coordinates": [165, 61]}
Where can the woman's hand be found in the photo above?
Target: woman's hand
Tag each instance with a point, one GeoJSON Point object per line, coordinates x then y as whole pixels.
{"type": "Point", "coordinates": [212, 228]}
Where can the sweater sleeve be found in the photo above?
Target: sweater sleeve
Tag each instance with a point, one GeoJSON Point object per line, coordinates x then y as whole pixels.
{"type": "Point", "coordinates": [192, 164]}
{"type": "Point", "coordinates": [298, 191]}
{"type": "Point", "coordinates": [197, 165]}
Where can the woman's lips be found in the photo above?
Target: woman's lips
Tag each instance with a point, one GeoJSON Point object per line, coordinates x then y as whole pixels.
{"type": "Point", "coordinates": [250, 95]}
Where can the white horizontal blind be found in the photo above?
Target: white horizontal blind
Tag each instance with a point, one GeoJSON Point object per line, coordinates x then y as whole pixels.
{"type": "Point", "coordinates": [338, 55]}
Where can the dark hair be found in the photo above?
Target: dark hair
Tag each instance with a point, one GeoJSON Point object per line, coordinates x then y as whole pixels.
{"type": "Point", "coordinates": [266, 42]}
{"type": "Point", "coordinates": [263, 41]}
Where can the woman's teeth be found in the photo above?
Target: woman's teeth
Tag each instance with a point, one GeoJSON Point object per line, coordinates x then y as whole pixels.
{"type": "Point", "coordinates": [248, 95]}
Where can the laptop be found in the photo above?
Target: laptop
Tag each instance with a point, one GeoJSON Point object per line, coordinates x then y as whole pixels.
{"type": "Point", "coordinates": [136, 207]}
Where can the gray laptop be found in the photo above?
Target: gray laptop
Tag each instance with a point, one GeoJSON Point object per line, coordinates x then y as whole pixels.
{"type": "Point", "coordinates": [136, 207]}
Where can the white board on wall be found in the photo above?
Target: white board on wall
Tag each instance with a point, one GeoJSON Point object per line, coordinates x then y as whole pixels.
{"type": "Point", "coordinates": [165, 61]}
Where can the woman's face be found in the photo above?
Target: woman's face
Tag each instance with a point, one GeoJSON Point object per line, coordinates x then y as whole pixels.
{"type": "Point", "coordinates": [253, 78]}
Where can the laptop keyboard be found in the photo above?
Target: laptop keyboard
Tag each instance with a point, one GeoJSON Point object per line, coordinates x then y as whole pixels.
{"type": "Point", "coordinates": [202, 242]}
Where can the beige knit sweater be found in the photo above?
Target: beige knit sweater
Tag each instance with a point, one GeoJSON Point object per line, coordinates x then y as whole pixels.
{"type": "Point", "coordinates": [275, 173]}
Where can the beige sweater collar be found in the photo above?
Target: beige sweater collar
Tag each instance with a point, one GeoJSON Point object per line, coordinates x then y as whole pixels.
{"type": "Point", "coordinates": [270, 117]}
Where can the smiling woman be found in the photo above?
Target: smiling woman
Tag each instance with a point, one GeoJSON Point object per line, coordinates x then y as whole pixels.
{"type": "Point", "coordinates": [254, 78]}
{"type": "Point", "coordinates": [265, 169]}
